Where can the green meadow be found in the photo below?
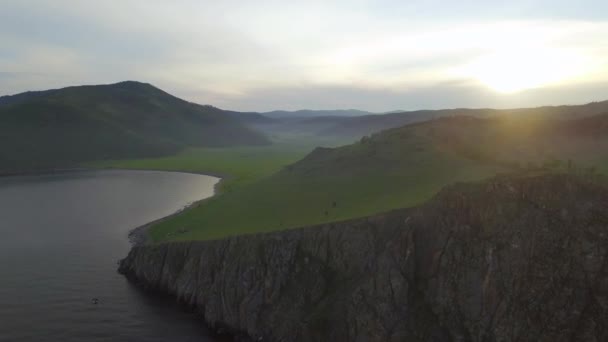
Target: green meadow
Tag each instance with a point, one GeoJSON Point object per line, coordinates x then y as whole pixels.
{"type": "Point", "coordinates": [292, 199]}
{"type": "Point", "coordinates": [288, 184]}
{"type": "Point", "coordinates": [237, 166]}
{"type": "Point", "coordinates": [271, 188]}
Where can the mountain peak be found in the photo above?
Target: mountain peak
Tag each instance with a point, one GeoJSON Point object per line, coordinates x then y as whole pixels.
{"type": "Point", "coordinates": [132, 84]}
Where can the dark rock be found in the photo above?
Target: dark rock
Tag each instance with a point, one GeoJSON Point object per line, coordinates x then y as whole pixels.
{"type": "Point", "coordinates": [509, 259]}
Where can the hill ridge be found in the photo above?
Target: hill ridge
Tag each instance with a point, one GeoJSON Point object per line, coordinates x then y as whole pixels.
{"type": "Point", "coordinates": [67, 126]}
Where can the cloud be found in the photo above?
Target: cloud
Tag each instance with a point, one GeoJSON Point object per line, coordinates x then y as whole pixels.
{"type": "Point", "coordinates": [452, 94]}
{"type": "Point", "coordinates": [252, 55]}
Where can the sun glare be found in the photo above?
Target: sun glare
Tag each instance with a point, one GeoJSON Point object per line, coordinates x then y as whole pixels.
{"type": "Point", "coordinates": [516, 70]}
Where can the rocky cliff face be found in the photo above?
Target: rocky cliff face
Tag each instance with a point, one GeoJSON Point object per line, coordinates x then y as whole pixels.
{"type": "Point", "coordinates": [507, 260]}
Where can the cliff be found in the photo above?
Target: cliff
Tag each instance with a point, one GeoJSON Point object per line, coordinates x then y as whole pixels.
{"type": "Point", "coordinates": [509, 259]}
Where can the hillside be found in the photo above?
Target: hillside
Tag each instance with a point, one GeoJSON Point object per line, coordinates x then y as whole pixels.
{"type": "Point", "coordinates": [64, 127]}
{"type": "Point", "coordinates": [349, 128]}
{"type": "Point", "coordinates": [308, 113]}
{"type": "Point", "coordinates": [397, 168]}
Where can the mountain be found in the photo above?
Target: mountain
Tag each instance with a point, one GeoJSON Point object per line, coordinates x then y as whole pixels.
{"type": "Point", "coordinates": [250, 118]}
{"type": "Point", "coordinates": [28, 95]}
{"type": "Point", "coordinates": [308, 113]}
{"type": "Point", "coordinates": [64, 127]}
{"type": "Point", "coordinates": [354, 127]}
{"type": "Point", "coordinates": [594, 126]}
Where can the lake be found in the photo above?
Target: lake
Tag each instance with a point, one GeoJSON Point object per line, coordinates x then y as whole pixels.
{"type": "Point", "coordinates": [61, 237]}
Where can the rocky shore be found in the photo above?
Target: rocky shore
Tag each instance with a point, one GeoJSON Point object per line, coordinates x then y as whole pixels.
{"type": "Point", "coordinates": [510, 259]}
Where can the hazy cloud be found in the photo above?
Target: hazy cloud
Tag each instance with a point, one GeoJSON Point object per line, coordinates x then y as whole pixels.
{"type": "Point", "coordinates": [454, 94]}
{"type": "Point", "coordinates": [262, 55]}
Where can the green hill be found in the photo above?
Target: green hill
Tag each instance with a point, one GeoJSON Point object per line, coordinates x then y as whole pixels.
{"type": "Point", "coordinates": [349, 128]}
{"type": "Point", "coordinates": [64, 127]}
{"type": "Point", "coordinates": [396, 168]}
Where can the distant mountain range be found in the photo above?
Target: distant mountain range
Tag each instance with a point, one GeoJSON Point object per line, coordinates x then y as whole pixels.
{"type": "Point", "coordinates": [64, 127]}
{"type": "Point", "coordinates": [353, 127]}
{"type": "Point", "coordinates": [308, 113]}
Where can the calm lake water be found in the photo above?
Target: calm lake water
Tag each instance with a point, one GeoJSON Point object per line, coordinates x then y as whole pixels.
{"type": "Point", "coordinates": [60, 239]}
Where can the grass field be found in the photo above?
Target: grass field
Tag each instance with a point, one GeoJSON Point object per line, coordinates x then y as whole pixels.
{"type": "Point", "coordinates": [271, 188]}
{"type": "Point", "coordinates": [237, 166]}
{"type": "Point", "coordinates": [288, 200]}
{"type": "Point", "coordinates": [328, 185]}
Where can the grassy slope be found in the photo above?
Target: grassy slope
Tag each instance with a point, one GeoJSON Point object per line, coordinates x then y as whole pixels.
{"type": "Point", "coordinates": [330, 184]}
{"type": "Point", "coordinates": [238, 165]}
{"type": "Point", "coordinates": [397, 168]}
{"type": "Point", "coordinates": [285, 202]}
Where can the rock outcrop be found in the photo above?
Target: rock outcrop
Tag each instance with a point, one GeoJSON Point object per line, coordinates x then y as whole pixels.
{"type": "Point", "coordinates": [511, 259]}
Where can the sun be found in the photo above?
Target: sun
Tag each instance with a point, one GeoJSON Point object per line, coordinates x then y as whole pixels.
{"type": "Point", "coordinates": [517, 70]}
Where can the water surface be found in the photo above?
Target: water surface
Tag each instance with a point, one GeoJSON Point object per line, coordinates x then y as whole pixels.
{"type": "Point", "coordinates": [61, 236]}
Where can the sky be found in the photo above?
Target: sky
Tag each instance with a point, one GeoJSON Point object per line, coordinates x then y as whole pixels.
{"type": "Point", "coordinates": [264, 55]}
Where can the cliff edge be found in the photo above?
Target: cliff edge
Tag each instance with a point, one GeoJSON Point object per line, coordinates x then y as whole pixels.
{"type": "Point", "coordinates": [510, 259]}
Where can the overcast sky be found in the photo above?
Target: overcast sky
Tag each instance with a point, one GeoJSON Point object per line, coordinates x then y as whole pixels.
{"type": "Point", "coordinates": [265, 55]}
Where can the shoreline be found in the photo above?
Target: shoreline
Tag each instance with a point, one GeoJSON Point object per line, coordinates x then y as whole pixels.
{"type": "Point", "coordinates": [139, 235]}
{"type": "Point", "coordinates": [42, 172]}
{"type": "Point", "coordinates": [220, 176]}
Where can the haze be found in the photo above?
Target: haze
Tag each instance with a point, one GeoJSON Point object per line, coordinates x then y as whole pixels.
{"type": "Point", "coordinates": [370, 55]}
